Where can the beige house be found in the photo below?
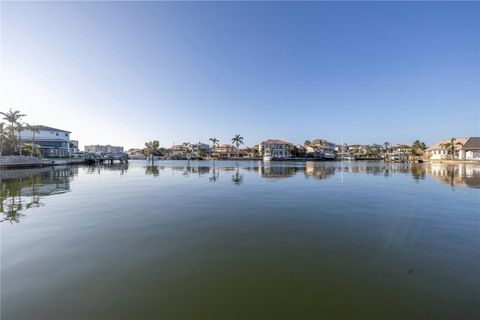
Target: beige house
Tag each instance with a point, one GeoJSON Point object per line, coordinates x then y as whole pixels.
{"type": "Point", "coordinates": [465, 148]}
{"type": "Point", "coordinates": [178, 152]}
{"type": "Point", "coordinates": [226, 151]}
{"type": "Point", "coordinates": [319, 148]}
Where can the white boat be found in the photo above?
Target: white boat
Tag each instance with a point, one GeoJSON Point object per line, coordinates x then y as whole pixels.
{"type": "Point", "coordinates": [268, 154]}
{"type": "Point", "coordinates": [345, 156]}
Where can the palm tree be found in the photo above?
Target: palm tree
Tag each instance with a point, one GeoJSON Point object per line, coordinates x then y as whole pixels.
{"type": "Point", "coordinates": [13, 118]}
{"type": "Point", "coordinates": [187, 145]}
{"type": "Point", "coordinates": [151, 148]}
{"type": "Point", "coordinates": [2, 137]}
{"type": "Point", "coordinates": [450, 145]}
{"type": "Point", "coordinates": [237, 140]}
{"type": "Point", "coordinates": [292, 149]}
{"type": "Point", "coordinates": [215, 142]}
{"type": "Point", "coordinates": [20, 126]}
{"type": "Point", "coordinates": [307, 143]}
{"type": "Point", "coordinates": [200, 150]}
{"type": "Point", "coordinates": [34, 130]}
{"type": "Point", "coordinates": [386, 145]}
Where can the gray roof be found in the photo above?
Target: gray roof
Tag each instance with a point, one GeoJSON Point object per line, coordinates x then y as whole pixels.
{"type": "Point", "coordinates": [472, 143]}
{"type": "Point", "coordinates": [40, 127]}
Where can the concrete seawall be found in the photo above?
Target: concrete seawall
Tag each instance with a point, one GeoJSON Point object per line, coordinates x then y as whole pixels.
{"type": "Point", "coordinates": [38, 163]}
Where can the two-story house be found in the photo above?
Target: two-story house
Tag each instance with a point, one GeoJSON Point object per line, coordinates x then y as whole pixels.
{"type": "Point", "coordinates": [51, 141]}
{"type": "Point", "coordinates": [274, 149]}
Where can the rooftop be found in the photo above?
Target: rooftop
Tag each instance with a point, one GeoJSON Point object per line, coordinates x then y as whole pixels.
{"type": "Point", "coordinates": [46, 128]}
{"type": "Point", "coordinates": [443, 144]}
{"type": "Point", "coordinates": [275, 141]}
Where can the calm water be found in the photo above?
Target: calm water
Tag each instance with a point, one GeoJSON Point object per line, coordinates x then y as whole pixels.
{"type": "Point", "coordinates": [241, 240]}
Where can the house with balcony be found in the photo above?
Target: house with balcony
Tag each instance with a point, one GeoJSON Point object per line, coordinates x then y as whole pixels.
{"type": "Point", "coordinates": [464, 148]}
{"type": "Point", "coordinates": [53, 143]}
{"type": "Point", "coordinates": [274, 149]}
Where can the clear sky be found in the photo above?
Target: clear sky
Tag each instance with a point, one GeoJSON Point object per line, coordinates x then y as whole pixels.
{"type": "Point", "coordinates": [122, 73]}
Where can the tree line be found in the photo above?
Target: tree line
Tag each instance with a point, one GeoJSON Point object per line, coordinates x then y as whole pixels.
{"type": "Point", "coordinates": [10, 140]}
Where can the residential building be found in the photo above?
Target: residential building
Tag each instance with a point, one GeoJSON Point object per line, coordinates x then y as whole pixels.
{"type": "Point", "coordinates": [227, 151]}
{"type": "Point", "coordinates": [51, 141]}
{"type": "Point", "coordinates": [276, 149]}
{"type": "Point", "coordinates": [178, 152]}
{"type": "Point", "coordinates": [200, 149]}
{"type": "Point", "coordinates": [319, 148]}
{"type": "Point", "coordinates": [103, 149]}
{"type": "Point", "coordinates": [465, 148]}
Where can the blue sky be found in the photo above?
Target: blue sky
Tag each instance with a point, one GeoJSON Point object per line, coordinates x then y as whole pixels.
{"type": "Point", "coordinates": [123, 73]}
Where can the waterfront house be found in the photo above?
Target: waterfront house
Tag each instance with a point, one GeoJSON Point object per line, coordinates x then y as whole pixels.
{"type": "Point", "coordinates": [465, 148]}
{"type": "Point", "coordinates": [319, 148]}
{"type": "Point", "coordinates": [274, 148]}
{"type": "Point", "coordinates": [227, 151]}
{"type": "Point", "coordinates": [51, 141]}
{"type": "Point", "coordinates": [178, 152]}
{"type": "Point", "coordinates": [200, 150]}
{"type": "Point", "coordinates": [103, 149]}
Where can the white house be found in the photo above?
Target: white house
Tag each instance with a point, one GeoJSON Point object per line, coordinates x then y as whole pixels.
{"type": "Point", "coordinates": [276, 149]}
{"type": "Point", "coordinates": [226, 151]}
{"type": "Point", "coordinates": [465, 148]}
{"type": "Point", "coordinates": [52, 142]}
{"type": "Point", "coordinates": [200, 149]}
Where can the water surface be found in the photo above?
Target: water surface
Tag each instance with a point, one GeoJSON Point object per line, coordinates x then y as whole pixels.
{"type": "Point", "coordinates": [241, 240]}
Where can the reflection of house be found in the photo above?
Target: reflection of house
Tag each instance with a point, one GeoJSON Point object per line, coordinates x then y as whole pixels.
{"type": "Point", "coordinates": [317, 171]}
{"type": "Point", "coordinates": [321, 149]}
{"type": "Point", "coordinates": [277, 149]}
{"type": "Point", "coordinates": [277, 171]}
{"type": "Point", "coordinates": [100, 149]}
{"type": "Point", "coordinates": [466, 175]}
{"type": "Point", "coordinates": [52, 142]}
{"type": "Point", "coordinates": [467, 148]}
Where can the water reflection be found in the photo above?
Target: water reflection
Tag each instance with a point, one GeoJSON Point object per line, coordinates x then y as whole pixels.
{"type": "Point", "coordinates": [98, 169]}
{"type": "Point", "coordinates": [25, 189]}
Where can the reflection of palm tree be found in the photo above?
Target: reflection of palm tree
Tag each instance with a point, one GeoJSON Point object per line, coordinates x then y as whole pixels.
{"type": "Point", "coordinates": [152, 170]}
{"type": "Point", "coordinates": [237, 178]}
{"type": "Point", "coordinates": [215, 173]}
{"type": "Point", "coordinates": [35, 202]}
